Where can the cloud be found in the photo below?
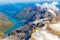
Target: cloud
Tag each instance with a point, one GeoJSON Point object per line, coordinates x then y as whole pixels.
{"type": "Point", "coordinates": [49, 6]}
{"type": "Point", "coordinates": [54, 3]}
{"type": "Point", "coordinates": [37, 4]}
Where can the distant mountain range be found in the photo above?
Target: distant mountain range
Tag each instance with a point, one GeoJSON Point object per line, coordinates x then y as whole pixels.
{"type": "Point", "coordinates": [11, 9]}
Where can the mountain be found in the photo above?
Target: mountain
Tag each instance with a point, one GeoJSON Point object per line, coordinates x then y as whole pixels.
{"type": "Point", "coordinates": [23, 12]}
{"type": "Point", "coordinates": [8, 9]}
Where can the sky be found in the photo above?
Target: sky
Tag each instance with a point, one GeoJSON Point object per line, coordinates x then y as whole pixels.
{"type": "Point", "coordinates": [14, 1]}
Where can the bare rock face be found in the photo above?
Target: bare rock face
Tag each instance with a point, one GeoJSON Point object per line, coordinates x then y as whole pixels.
{"type": "Point", "coordinates": [58, 16]}
{"type": "Point", "coordinates": [25, 14]}
{"type": "Point", "coordinates": [33, 14]}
